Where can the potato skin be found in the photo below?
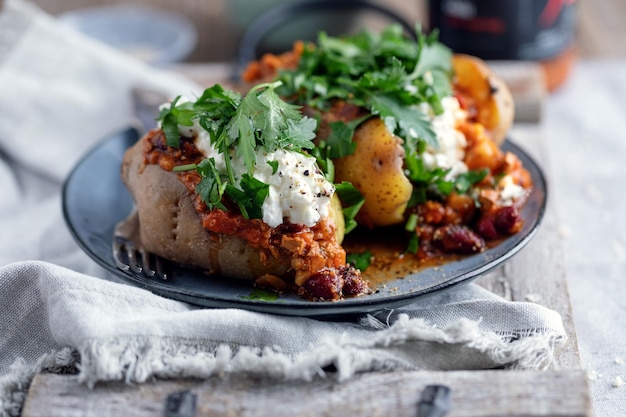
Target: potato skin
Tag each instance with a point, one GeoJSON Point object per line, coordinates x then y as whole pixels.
{"type": "Point", "coordinates": [171, 228]}
{"type": "Point", "coordinates": [494, 103]}
{"type": "Point", "coordinates": [336, 215]}
{"type": "Point", "coordinates": [376, 170]}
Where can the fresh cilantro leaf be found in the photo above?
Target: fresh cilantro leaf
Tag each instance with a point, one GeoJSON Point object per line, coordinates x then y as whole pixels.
{"type": "Point", "coordinates": [250, 197]}
{"type": "Point", "coordinates": [418, 196]}
{"type": "Point", "coordinates": [169, 124]}
{"type": "Point", "coordinates": [408, 122]}
{"type": "Point", "coordinates": [463, 182]}
{"type": "Point", "coordinates": [444, 186]}
{"type": "Point", "coordinates": [418, 173]}
{"type": "Point", "coordinates": [325, 163]}
{"type": "Point", "coordinates": [352, 201]}
{"type": "Point", "coordinates": [339, 142]}
{"type": "Point", "coordinates": [240, 198]}
{"type": "Point", "coordinates": [279, 110]}
{"type": "Point", "coordinates": [360, 261]}
{"type": "Point", "coordinates": [274, 165]}
{"type": "Point", "coordinates": [433, 56]}
{"type": "Point", "coordinates": [237, 128]}
{"type": "Point", "coordinates": [211, 188]}
{"type": "Point", "coordinates": [256, 192]}
{"type": "Point", "coordinates": [298, 135]}
{"type": "Point", "coordinates": [241, 128]}
{"type": "Point", "coordinates": [216, 101]}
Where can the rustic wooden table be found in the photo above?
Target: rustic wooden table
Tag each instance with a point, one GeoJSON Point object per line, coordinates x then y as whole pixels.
{"type": "Point", "coordinates": [536, 274]}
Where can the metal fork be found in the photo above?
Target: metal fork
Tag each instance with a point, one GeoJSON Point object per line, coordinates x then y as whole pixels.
{"type": "Point", "coordinates": [129, 253]}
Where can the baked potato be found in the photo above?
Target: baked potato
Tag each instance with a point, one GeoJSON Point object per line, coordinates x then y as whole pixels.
{"type": "Point", "coordinates": [376, 170]}
{"type": "Point", "coordinates": [171, 228]}
{"type": "Point", "coordinates": [218, 188]}
{"type": "Point", "coordinates": [428, 153]}
{"type": "Point", "coordinates": [487, 95]}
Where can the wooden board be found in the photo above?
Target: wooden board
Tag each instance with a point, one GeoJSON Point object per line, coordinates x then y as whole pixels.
{"type": "Point", "coordinates": [473, 393]}
{"type": "Point", "coordinates": [535, 274]}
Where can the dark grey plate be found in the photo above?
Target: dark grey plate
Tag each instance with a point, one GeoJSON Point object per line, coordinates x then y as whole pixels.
{"type": "Point", "coordinates": [94, 200]}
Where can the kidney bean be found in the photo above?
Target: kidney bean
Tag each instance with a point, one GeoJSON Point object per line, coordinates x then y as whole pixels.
{"type": "Point", "coordinates": [325, 284]}
{"type": "Point", "coordinates": [458, 239]}
{"type": "Point", "coordinates": [353, 282]}
{"type": "Point", "coordinates": [485, 227]}
{"type": "Point", "coordinates": [508, 220]}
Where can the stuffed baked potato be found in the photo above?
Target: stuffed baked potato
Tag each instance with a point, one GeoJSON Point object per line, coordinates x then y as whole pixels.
{"type": "Point", "coordinates": [416, 129]}
{"type": "Point", "coordinates": [225, 185]}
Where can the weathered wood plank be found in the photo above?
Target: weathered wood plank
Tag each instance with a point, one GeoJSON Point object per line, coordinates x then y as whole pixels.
{"type": "Point", "coordinates": [538, 273]}
{"type": "Point", "coordinates": [474, 393]}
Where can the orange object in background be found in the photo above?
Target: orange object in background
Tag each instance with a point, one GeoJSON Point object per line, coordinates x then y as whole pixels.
{"type": "Point", "coordinates": [557, 69]}
{"type": "Point", "coordinates": [542, 31]}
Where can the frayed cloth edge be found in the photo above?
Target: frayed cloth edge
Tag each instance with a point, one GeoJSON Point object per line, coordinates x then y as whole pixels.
{"type": "Point", "coordinates": [139, 359]}
{"type": "Point", "coordinates": [15, 384]}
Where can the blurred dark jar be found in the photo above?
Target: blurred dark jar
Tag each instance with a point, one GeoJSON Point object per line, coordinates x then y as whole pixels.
{"type": "Point", "coordinates": [530, 30]}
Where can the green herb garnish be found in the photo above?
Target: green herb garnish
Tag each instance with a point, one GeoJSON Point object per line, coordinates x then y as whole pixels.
{"type": "Point", "coordinates": [352, 201]}
{"type": "Point", "coordinates": [261, 295]}
{"type": "Point", "coordinates": [360, 261]}
{"type": "Point", "coordinates": [237, 128]}
{"type": "Point", "coordinates": [386, 73]}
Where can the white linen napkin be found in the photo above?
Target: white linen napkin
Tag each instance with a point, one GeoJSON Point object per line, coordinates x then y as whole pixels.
{"type": "Point", "coordinates": [59, 94]}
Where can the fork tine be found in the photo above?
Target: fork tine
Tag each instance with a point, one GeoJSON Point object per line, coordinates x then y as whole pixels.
{"type": "Point", "coordinates": [117, 255]}
{"type": "Point", "coordinates": [129, 254]}
{"type": "Point", "coordinates": [145, 261]}
{"type": "Point", "coordinates": [160, 268]}
{"type": "Point", "coordinates": [132, 258]}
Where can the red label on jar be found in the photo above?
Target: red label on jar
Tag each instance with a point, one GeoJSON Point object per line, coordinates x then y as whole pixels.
{"type": "Point", "coordinates": [505, 29]}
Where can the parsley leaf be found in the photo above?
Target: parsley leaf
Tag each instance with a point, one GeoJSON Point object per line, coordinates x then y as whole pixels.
{"type": "Point", "coordinates": [339, 142]}
{"type": "Point", "coordinates": [352, 201]}
{"type": "Point", "coordinates": [212, 186]}
{"type": "Point", "coordinates": [385, 73]}
{"type": "Point", "coordinates": [241, 128]}
{"type": "Point", "coordinates": [238, 127]}
{"type": "Point", "coordinates": [360, 261]}
{"type": "Point", "coordinates": [250, 197]}
{"type": "Point", "coordinates": [463, 182]}
{"type": "Point", "coordinates": [298, 135]}
{"type": "Point", "coordinates": [169, 124]}
{"type": "Point", "coordinates": [409, 122]}
{"type": "Point", "coordinates": [274, 165]}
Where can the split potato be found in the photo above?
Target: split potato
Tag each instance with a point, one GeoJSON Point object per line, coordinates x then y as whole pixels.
{"type": "Point", "coordinates": [376, 170]}
{"type": "Point", "coordinates": [476, 82]}
{"type": "Point", "coordinates": [171, 228]}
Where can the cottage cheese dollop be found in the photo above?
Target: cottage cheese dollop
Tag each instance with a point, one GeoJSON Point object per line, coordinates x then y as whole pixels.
{"type": "Point", "coordinates": [452, 142]}
{"type": "Point", "coordinates": [298, 192]}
